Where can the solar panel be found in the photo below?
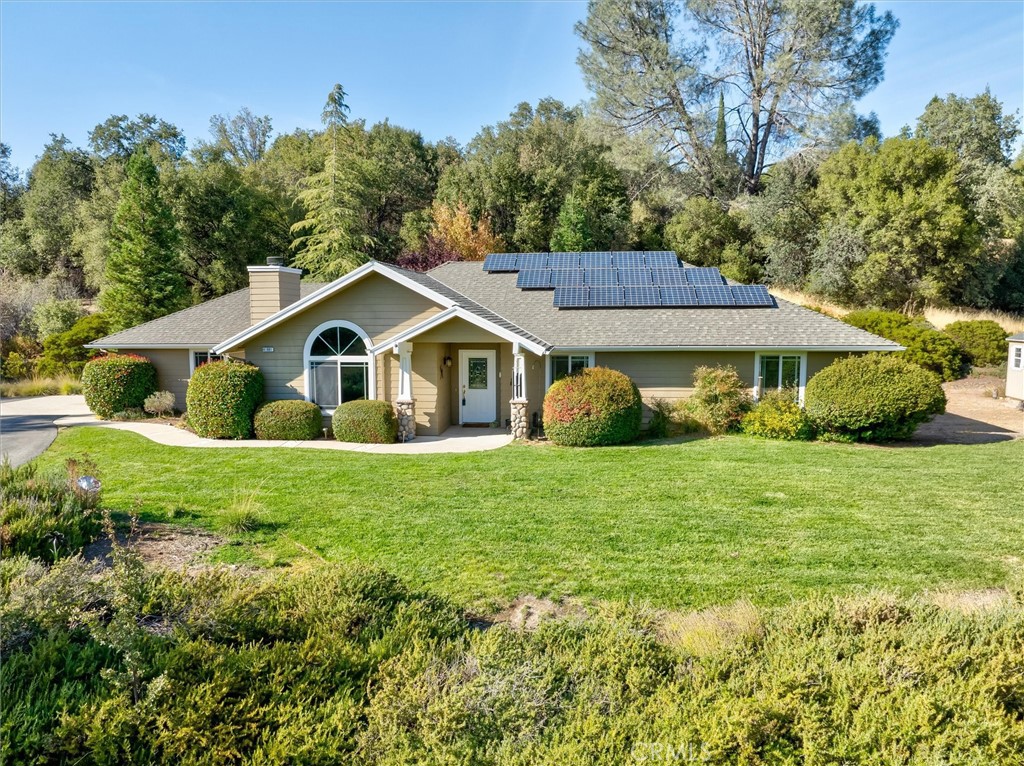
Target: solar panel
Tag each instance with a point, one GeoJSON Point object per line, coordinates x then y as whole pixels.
{"type": "Point", "coordinates": [605, 297]}
{"type": "Point", "coordinates": [500, 262]}
{"type": "Point", "coordinates": [668, 277]}
{"type": "Point", "coordinates": [566, 277]}
{"type": "Point", "coordinates": [704, 276]}
{"type": "Point", "coordinates": [679, 295]}
{"type": "Point", "coordinates": [563, 260]}
{"type": "Point", "coordinates": [641, 296]}
{"type": "Point", "coordinates": [634, 276]}
{"type": "Point", "coordinates": [532, 261]}
{"type": "Point", "coordinates": [534, 279]}
{"type": "Point", "coordinates": [628, 260]}
{"type": "Point", "coordinates": [718, 295]}
{"type": "Point", "coordinates": [596, 260]}
{"type": "Point", "coordinates": [571, 297]}
{"type": "Point", "coordinates": [600, 277]}
{"type": "Point", "coordinates": [751, 295]}
{"type": "Point", "coordinates": [661, 259]}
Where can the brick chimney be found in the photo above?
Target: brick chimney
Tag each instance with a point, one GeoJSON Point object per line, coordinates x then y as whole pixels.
{"type": "Point", "coordinates": [271, 288]}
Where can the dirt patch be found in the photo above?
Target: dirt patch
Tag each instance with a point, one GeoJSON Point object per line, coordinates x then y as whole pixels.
{"type": "Point", "coordinates": [164, 545]}
{"type": "Point", "coordinates": [971, 601]}
{"type": "Point", "coordinates": [527, 612]}
{"type": "Point", "coordinates": [973, 415]}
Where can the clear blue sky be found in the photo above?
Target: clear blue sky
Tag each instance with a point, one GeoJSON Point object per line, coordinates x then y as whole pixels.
{"type": "Point", "coordinates": [441, 68]}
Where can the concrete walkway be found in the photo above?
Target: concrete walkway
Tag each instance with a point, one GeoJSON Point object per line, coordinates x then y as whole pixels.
{"type": "Point", "coordinates": [34, 422]}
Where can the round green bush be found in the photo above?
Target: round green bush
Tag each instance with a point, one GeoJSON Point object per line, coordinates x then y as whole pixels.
{"type": "Point", "coordinates": [874, 398]}
{"type": "Point", "coordinates": [288, 419]}
{"type": "Point", "coordinates": [926, 346]}
{"type": "Point", "coordinates": [117, 382]}
{"type": "Point", "coordinates": [983, 341]}
{"type": "Point", "coordinates": [221, 399]}
{"type": "Point", "coordinates": [777, 416]}
{"type": "Point", "coordinates": [593, 407]}
{"type": "Point", "coordinates": [367, 421]}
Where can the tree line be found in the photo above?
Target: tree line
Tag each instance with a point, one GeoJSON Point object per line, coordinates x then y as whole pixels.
{"type": "Point", "coordinates": [722, 130]}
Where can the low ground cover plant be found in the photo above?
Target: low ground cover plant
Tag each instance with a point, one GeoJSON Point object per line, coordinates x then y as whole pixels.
{"type": "Point", "coordinates": [366, 421]}
{"type": "Point", "coordinates": [221, 399]}
{"type": "Point", "coordinates": [874, 398]}
{"type": "Point", "coordinates": [159, 403]}
{"type": "Point", "coordinates": [925, 346]}
{"type": "Point", "coordinates": [983, 341]}
{"type": "Point", "coordinates": [778, 415]}
{"type": "Point", "coordinates": [117, 382]}
{"type": "Point", "coordinates": [63, 385]}
{"type": "Point", "coordinates": [719, 400]}
{"type": "Point", "coordinates": [290, 419]}
{"type": "Point", "coordinates": [593, 407]}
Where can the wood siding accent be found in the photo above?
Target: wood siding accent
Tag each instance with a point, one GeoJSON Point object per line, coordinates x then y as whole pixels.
{"type": "Point", "coordinates": [172, 371]}
{"type": "Point", "coordinates": [669, 374]}
{"type": "Point", "coordinates": [270, 291]}
{"type": "Point", "coordinates": [455, 330]}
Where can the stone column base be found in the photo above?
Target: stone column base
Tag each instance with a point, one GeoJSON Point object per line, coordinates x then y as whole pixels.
{"type": "Point", "coordinates": [405, 411]}
{"type": "Point", "coordinates": [520, 419]}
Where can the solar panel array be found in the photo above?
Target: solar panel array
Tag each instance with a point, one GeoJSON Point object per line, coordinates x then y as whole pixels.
{"type": "Point", "coordinates": [625, 279]}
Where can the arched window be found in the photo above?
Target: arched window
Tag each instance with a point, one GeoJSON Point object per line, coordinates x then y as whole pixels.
{"type": "Point", "coordinates": [338, 365]}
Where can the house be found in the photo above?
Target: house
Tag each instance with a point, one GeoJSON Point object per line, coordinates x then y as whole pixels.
{"type": "Point", "coordinates": [479, 343]}
{"type": "Point", "coordinates": [1015, 367]}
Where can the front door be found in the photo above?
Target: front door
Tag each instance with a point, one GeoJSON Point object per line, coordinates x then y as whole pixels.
{"type": "Point", "coordinates": [477, 387]}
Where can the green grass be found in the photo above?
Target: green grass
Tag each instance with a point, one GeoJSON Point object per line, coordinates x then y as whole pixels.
{"type": "Point", "coordinates": [690, 524]}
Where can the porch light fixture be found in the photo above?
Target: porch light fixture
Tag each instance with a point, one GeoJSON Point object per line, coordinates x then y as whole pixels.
{"type": "Point", "coordinates": [447, 361]}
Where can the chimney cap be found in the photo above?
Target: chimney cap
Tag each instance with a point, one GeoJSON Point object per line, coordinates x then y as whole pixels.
{"type": "Point", "coordinates": [275, 260]}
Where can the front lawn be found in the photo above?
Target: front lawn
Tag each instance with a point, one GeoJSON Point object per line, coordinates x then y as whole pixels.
{"type": "Point", "coordinates": [679, 525]}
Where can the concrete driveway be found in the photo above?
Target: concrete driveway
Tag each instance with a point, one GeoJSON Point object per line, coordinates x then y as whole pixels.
{"type": "Point", "coordinates": [27, 425]}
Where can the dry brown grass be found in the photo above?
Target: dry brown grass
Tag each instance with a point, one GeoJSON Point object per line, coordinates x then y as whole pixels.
{"type": "Point", "coordinates": [938, 317]}
{"type": "Point", "coordinates": [710, 631]}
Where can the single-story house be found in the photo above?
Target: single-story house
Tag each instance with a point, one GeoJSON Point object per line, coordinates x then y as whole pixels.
{"type": "Point", "coordinates": [1015, 367]}
{"type": "Point", "coordinates": [480, 343]}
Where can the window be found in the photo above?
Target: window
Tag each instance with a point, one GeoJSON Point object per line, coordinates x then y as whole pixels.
{"type": "Point", "coordinates": [562, 366]}
{"type": "Point", "coordinates": [338, 365]}
{"type": "Point", "coordinates": [1018, 357]}
{"type": "Point", "coordinates": [778, 371]}
{"type": "Point", "coordinates": [199, 358]}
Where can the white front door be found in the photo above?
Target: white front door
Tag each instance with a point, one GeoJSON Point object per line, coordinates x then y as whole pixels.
{"type": "Point", "coordinates": [477, 387]}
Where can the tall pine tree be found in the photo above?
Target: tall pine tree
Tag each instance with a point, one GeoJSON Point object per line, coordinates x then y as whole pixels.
{"type": "Point", "coordinates": [330, 241]}
{"type": "Point", "coordinates": [143, 274]}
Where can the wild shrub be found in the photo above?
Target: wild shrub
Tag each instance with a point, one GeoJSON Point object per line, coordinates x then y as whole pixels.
{"type": "Point", "coordinates": [288, 419]}
{"type": "Point", "coordinates": [875, 398]}
{"type": "Point", "coordinates": [64, 352]}
{"type": "Point", "coordinates": [221, 399]}
{"type": "Point", "coordinates": [983, 341]}
{"type": "Point", "coordinates": [925, 346]}
{"type": "Point", "coordinates": [593, 407]}
{"type": "Point", "coordinates": [64, 385]}
{"type": "Point", "coordinates": [117, 382]}
{"type": "Point", "coordinates": [366, 421]}
{"type": "Point", "coordinates": [719, 400]}
{"type": "Point", "coordinates": [15, 366]}
{"type": "Point", "coordinates": [159, 403]}
{"type": "Point", "coordinates": [662, 420]}
{"type": "Point", "coordinates": [777, 415]}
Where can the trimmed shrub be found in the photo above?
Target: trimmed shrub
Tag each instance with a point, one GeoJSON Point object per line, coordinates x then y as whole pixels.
{"type": "Point", "coordinates": [367, 421]}
{"type": "Point", "coordinates": [593, 407]}
{"type": "Point", "coordinates": [719, 401]}
{"type": "Point", "coordinates": [159, 403]}
{"type": "Point", "coordinates": [289, 419]}
{"type": "Point", "coordinates": [117, 382]}
{"type": "Point", "coordinates": [222, 397]}
{"type": "Point", "coordinates": [874, 398]}
{"type": "Point", "coordinates": [777, 416]}
{"type": "Point", "coordinates": [926, 346]}
{"type": "Point", "coordinates": [983, 341]}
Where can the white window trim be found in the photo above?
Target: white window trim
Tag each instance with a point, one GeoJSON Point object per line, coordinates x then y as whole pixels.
{"type": "Point", "coordinates": [1016, 356]}
{"type": "Point", "coordinates": [781, 352]}
{"type": "Point", "coordinates": [192, 358]}
{"type": "Point", "coordinates": [549, 368]}
{"type": "Point", "coordinates": [369, 359]}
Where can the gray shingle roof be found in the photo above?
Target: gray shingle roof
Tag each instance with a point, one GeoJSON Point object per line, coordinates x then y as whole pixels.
{"type": "Point", "coordinates": [205, 324]}
{"type": "Point", "coordinates": [1018, 336]}
{"type": "Point", "coordinates": [786, 326]}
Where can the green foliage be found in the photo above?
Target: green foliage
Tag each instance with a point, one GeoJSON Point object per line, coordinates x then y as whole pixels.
{"type": "Point", "coordinates": [64, 386]}
{"type": "Point", "coordinates": [777, 415]}
{"type": "Point", "coordinates": [143, 273]}
{"type": "Point", "coordinates": [719, 400]}
{"type": "Point", "coordinates": [46, 517]}
{"type": "Point", "coordinates": [63, 353]}
{"type": "Point", "coordinates": [117, 382]}
{"type": "Point", "coordinates": [54, 316]}
{"type": "Point", "coordinates": [662, 418]}
{"type": "Point", "coordinates": [572, 230]}
{"type": "Point", "coordinates": [873, 398]}
{"type": "Point", "coordinates": [221, 399]}
{"type": "Point", "coordinates": [983, 341]}
{"type": "Point", "coordinates": [15, 366]}
{"type": "Point", "coordinates": [593, 407]}
{"type": "Point", "coordinates": [288, 419]}
{"type": "Point", "coordinates": [975, 128]}
{"type": "Point", "coordinates": [366, 421]}
{"type": "Point", "coordinates": [159, 403]}
{"type": "Point", "coordinates": [925, 345]}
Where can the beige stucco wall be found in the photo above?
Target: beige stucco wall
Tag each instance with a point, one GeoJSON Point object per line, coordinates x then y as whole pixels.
{"type": "Point", "coordinates": [1014, 378]}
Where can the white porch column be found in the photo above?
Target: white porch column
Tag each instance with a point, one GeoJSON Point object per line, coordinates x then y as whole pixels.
{"type": "Point", "coordinates": [405, 405]}
{"type": "Point", "coordinates": [520, 417]}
